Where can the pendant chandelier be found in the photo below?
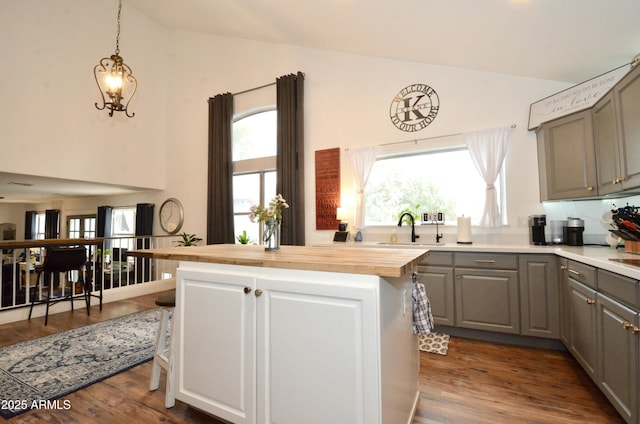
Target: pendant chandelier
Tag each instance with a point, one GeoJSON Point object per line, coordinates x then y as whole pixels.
{"type": "Point", "coordinates": [115, 79]}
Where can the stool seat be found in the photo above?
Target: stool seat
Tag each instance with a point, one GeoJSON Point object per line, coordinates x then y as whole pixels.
{"type": "Point", "coordinates": [163, 357]}
{"type": "Point", "coordinates": [167, 301]}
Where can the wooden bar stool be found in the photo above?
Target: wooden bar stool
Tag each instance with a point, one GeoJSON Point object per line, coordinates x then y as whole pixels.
{"type": "Point", "coordinates": [163, 357]}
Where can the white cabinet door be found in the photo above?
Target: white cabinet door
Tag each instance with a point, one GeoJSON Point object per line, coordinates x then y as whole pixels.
{"type": "Point", "coordinates": [216, 359]}
{"type": "Point", "coordinates": [317, 360]}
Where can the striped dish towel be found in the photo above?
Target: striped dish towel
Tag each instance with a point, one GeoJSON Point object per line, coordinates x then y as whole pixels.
{"type": "Point", "coordinates": [422, 318]}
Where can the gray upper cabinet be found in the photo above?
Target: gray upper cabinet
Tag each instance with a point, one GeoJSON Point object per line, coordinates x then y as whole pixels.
{"type": "Point", "coordinates": [594, 152]}
{"type": "Point", "coordinates": [566, 157]}
{"type": "Point", "coordinates": [627, 101]}
{"type": "Point", "coordinates": [605, 133]}
{"type": "Point", "coordinates": [616, 130]}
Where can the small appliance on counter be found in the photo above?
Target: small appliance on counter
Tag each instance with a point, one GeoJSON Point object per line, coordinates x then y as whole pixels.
{"type": "Point", "coordinates": [536, 229]}
{"type": "Point", "coordinates": [572, 231]}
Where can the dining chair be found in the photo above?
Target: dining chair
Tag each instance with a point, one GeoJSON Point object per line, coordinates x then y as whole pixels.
{"type": "Point", "coordinates": [60, 260]}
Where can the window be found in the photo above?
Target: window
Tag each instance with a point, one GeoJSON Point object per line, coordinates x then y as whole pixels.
{"type": "Point", "coordinates": [254, 167]}
{"type": "Point", "coordinates": [123, 226]}
{"type": "Point", "coordinates": [39, 226]}
{"type": "Point", "coordinates": [440, 180]}
{"type": "Point", "coordinates": [81, 226]}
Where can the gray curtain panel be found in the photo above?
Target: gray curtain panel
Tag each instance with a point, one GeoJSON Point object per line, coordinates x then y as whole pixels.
{"type": "Point", "coordinates": [220, 178]}
{"type": "Point", "coordinates": [290, 156]}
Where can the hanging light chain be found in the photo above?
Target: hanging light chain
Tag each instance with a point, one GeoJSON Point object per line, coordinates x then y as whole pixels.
{"type": "Point", "coordinates": [118, 28]}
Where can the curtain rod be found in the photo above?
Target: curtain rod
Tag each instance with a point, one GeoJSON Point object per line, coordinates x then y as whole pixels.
{"type": "Point", "coordinates": [254, 89]}
{"type": "Point", "coordinates": [415, 140]}
{"type": "Point", "coordinates": [428, 138]}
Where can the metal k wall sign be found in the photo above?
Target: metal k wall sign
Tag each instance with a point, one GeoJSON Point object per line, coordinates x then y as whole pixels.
{"type": "Point", "coordinates": [414, 107]}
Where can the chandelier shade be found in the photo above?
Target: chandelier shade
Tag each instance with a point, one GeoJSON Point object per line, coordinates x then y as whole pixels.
{"type": "Point", "coordinates": [115, 80]}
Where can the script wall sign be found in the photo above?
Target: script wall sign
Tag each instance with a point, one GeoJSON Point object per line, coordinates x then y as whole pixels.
{"type": "Point", "coordinates": [327, 188]}
{"type": "Point", "coordinates": [574, 99]}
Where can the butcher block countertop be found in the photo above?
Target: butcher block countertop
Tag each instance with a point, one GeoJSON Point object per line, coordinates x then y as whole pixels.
{"type": "Point", "coordinates": [380, 262]}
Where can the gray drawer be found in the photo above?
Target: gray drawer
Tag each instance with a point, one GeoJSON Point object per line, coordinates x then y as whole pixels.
{"type": "Point", "coordinates": [621, 288]}
{"type": "Point", "coordinates": [438, 258]}
{"type": "Point", "coordinates": [586, 274]}
{"type": "Point", "coordinates": [486, 260]}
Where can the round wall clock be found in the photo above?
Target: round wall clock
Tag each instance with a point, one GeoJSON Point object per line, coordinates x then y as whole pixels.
{"type": "Point", "coordinates": [171, 215]}
{"type": "Point", "coordinates": [414, 107]}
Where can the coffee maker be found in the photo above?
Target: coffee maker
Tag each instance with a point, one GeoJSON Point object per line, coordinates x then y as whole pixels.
{"type": "Point", "coordinates": [536, 229]}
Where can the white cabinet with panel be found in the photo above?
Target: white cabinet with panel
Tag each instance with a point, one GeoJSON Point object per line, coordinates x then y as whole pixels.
{"type": "Point", "coordinates": [263, 345]}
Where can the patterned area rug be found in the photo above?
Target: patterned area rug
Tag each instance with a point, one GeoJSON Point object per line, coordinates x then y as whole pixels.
{"type": "Point", "coordinates": [434, 343]}
{"type": "Point", "coordinates": [35, 372]}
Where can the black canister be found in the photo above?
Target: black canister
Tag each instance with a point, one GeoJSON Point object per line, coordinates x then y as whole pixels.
{"type": "Point", "coordinates": [572, 231]}
{"type": "Point", "coordinates": [536, 229]}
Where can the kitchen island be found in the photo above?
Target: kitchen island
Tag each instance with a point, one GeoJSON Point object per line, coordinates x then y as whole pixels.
{"type": "Point", "coordinates": [306, 334]}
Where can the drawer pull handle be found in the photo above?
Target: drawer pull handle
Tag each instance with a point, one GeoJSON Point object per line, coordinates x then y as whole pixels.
{"type": "Point", "coordinates": [485, 261]}
{"type": "Point", "coordinates": [590, 301]}
{"type": "Point", "coordinates": [627, 325]}
{"type": "Point", "coordinates": [574, 272]}
{"type": "Point", "coordinates": [635, 330]}
{"type": "Point", "coordinates": [258, 293]}
{"type": "Point", "coordinates": [247, 290]}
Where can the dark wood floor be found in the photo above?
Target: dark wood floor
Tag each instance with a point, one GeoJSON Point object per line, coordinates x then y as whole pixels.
{"type": "Point", "coordinates": [476, 382]}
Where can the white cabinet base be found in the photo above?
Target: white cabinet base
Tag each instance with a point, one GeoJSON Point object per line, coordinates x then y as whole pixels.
{"type": "Point", "coordinates": [266, 345]}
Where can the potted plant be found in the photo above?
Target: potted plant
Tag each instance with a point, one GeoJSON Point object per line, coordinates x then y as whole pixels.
{"type": "Point", "coordinates": [188, 239]}
{"type": "Point", "coordinates": [244, 238]}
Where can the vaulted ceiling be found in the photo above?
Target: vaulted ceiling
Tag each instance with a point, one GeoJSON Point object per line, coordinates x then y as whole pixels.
{"type": "Point", "coordinates": [561, 40]}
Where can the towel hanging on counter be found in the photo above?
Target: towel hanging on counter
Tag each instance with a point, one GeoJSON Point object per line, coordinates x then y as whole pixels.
{"type": "Point", "coordinates": [422, 318]}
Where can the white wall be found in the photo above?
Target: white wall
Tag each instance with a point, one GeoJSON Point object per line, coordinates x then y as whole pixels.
{"type": "Point", "coordinates": [54, 46]}
{"type": "Point", "coordinates": [49, 125]}
{"type": "Point", "coordinates": [347, 99]}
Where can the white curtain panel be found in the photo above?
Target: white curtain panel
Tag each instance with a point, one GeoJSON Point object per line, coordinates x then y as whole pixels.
{"type": "Point", "coordinates": [362, 160]}
{"type": "Point", "coordinates": [488, 149]}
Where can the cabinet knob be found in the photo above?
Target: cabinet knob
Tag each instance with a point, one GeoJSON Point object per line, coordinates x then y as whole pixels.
{"type": "Point", "coordinates": [627, 325]}
{"type": "Point", "coordinates": [258, 293]}
{"type": "Point", "coordinates": [590, 188]}
{"type": "Point", "coordinates": [247, 290]}
{"type": "Point", "coordinates": [563, 268]}
{"type": "Point", "coordinates": [590, 301]}
{"type": "Point", "coordinates": [635, 330]}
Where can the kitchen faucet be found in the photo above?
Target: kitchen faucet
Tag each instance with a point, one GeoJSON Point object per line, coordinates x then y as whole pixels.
{"type": "Point", "coordinates": [413, 226]}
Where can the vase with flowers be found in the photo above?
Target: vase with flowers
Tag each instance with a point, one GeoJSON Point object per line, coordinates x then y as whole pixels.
{"type": "Point", "coordinates": [271, 218]}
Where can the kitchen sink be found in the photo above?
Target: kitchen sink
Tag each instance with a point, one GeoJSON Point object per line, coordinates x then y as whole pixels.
{"type": "Point", "coordinates": [408, 244]}
{"type": "Point", "coordinates": [634, 262]}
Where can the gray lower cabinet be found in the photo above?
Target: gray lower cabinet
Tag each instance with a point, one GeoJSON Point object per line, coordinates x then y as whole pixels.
{"type": "Point", "coordinates": [618, 341]}
{"type": "Point", "coordinates": [564, 295]}
{"type": "Point", "coordinates": [436, 273]}
{"type": "Point", "coordinates": [539, 309]}
{"type": "Point", "coordinates": [486, 296]}
{"type": "Point", "coordinates": [618, 356]}
{"type": "Point", "coordinates": [582, 325]}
